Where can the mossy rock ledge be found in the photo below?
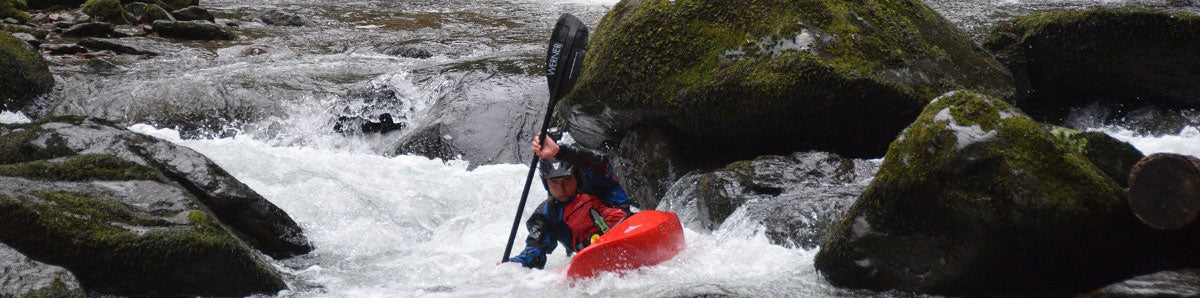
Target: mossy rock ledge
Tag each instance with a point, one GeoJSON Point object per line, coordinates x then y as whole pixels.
{"type": "Point", "coordinates": [133, 215]}
{"type": "Point", "coordinates": [1125, 58]}
{"type": "Point", "coordinates": [836, 76]}
{"type": "Point", "coordinates": [26, 74]}
{"type": "Point", "coordinates": [975, 197]}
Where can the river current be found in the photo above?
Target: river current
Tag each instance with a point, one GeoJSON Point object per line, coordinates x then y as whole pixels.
{"type": "Point", "coordinates": [403, 226]}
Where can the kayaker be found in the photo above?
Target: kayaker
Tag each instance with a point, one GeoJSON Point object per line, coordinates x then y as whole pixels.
{"type": "Point", "coordinates": [571, 215]}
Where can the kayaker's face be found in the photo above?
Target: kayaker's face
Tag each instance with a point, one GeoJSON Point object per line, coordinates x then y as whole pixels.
{"type": "Point", "coordinates": [562, 188]}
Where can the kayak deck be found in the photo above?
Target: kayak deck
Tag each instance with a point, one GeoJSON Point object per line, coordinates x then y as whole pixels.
{"type": "Point", "coordinates": [645, 239]}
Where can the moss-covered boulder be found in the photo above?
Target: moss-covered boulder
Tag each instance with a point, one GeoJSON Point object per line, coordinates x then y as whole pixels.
{"type": "Point", "coordinates": [1114, 157]}
{"type": "Point", "coordinates": [105, 11]}
{"type": "Point", "coordinates": [50, 149]}
{"type": "Point", "coordinates": [12, 9]}
{"type": "Point", "coordinates": [25, 73]}
{"type": "Point", "coordinates": [1125, 58]}
{"type": "Point", "coordinates": [976, 197]}
{"type": "Point", "coordinates": [195, 30]}
{"type": "Point", "coordinates": [836, 76]}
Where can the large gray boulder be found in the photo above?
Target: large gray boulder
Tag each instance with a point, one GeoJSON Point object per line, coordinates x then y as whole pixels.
{"type": "Point", "coordinates": [144, 216]}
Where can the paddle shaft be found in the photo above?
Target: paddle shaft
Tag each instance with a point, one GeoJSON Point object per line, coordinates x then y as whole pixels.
{"type": "Point", "coordinates": [512, 235]}
{"type": "Point", "coordinates": [564, 59]}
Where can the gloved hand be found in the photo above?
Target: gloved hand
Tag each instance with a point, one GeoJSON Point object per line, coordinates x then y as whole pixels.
{"type": "Point", "coordinates": [531, 257]}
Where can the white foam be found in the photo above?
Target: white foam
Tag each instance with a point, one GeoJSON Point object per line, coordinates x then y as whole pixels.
{"type": "Point", "coordinates": [411, 226]}
{"type": "Point", "coordinates": [7, 117]}
{"type": "Point", "coordinates": [1186, 142]}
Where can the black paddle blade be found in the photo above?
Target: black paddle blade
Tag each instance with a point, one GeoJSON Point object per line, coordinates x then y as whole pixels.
{"type": "Point", "coordinates": [564, 58]}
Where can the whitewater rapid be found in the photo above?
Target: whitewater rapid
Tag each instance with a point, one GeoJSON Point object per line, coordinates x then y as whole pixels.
{"type": "Point", "coordinates": [409, 226]}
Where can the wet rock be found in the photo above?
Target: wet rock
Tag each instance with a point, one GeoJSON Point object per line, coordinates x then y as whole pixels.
{"type": "Point", "coordinates": [135, 10]}
{"type": "Point", "coordinates": [647, 164]}
{"type": "Point", "coordinates": [1124, 58]}
{"type": "Point", "coordinates": [196, 30]}
{"type": "Point", "coordinates": [92, 29]}
{"type": "Point", "coordinates": [405, 51]}
{"type": "Point", "coordinates": [154, 13]}
{"type": "Point", "coordinates": [39, 33]}
{"type": "Point", "coordinates": [257, 221]}
{"type": "Point", "coordinates": [137, 212]}
{"type": "Point", "coordinates": [1176, 283]}
{"type": "Point", "coordinates": [63, 49]}
{"type": "Point", "coordinates": [279, 18]}
{"type": "Point", "coordinates": [28, 39]}
{"type": "Point", "coordinates": [116, 46]}
{"type": "Point", "coordinates": [25, 73]}
{"type": "Point", "coordinates": [841, 77]}
{"type": "Point", "coordinates": [797, 198]}
{"type": "Point", "coordinates": [976, 197]}
{"type": "Point", "coordinates": [105, 11]}
{"type": "Point", "coordinates": [100, 65]}
{"type": "Point", "coordinates": [482, 117]}
{"type": "Point", "coordinates": [1114, 157]}
{"type": "Point", "coordinates": [176, 4]}
{"type": "Point", "coordinates": [24, 277]}
{"type": "Point", "coordinates": [193, 13]}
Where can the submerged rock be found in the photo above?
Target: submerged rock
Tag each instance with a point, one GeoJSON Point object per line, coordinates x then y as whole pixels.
{"type": "Point", "coordinates": [25, 73]}
{"type": "Point", "coordinates": [404, 51]}
{"type": "Point", "coordinates": [279, 18]}
{"type": "Point", "coordinates": [197, 30]}
{"type": "Point", "coordinates": [21, 276]}
{"type": "Point", "coordinates": [90, 29]}
{"type": "Point", "coordinates": [193, 13]}
{"type": "Point", "coordinates": [116, 46]}
{"type": "Point", "coordinates": [797, 198]}
{"type": "Point", "coordinates": [1125, 58]}
{"type": "Point", "coordinates": [975, 197]}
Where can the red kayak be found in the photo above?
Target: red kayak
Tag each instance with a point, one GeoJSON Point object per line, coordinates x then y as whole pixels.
{"type": "Point", "coordinates": [644, 239]}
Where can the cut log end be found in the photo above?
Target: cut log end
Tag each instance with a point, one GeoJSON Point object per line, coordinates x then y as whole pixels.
{"type": "Point", "coordinates": [1164, 190]}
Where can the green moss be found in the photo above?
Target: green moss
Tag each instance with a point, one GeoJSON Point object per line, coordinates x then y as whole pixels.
{"type": "Point", "coordinates": [718, 70]}
{"type": "Point", "coordinates": [970, 171]}
{"type": "Point", "coordinates": [12, 9]}
{"type": "Point", "coordinates": [111, 260]}
{"type": "Point", "coordinates": [105, 10]}
{"type": "Point", "coordinates": [57, 289]}
{"type": "Point", "coordinates": [39, 33]}
{"type": "Point", "coordinates": [100, 210]}
{"type": "Point", "coordinates": [81, 168]}
{"type": "Point", "coordinates": [26, 73]}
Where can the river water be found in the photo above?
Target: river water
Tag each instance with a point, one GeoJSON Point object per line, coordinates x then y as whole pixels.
{"type": "Point", "coordinates": [399, 226]}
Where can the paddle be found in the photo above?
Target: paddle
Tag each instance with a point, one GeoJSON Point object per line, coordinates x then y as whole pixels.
{"type": "Point", "coordinates": [564, 59]}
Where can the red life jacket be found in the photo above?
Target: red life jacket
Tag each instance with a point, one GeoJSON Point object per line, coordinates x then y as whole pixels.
{"type": "Point", "coordinates": [577, 217]}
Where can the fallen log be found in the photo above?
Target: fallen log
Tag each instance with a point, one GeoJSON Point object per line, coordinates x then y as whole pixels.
{"type": "Point", "coordinates": [1164, 190]}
